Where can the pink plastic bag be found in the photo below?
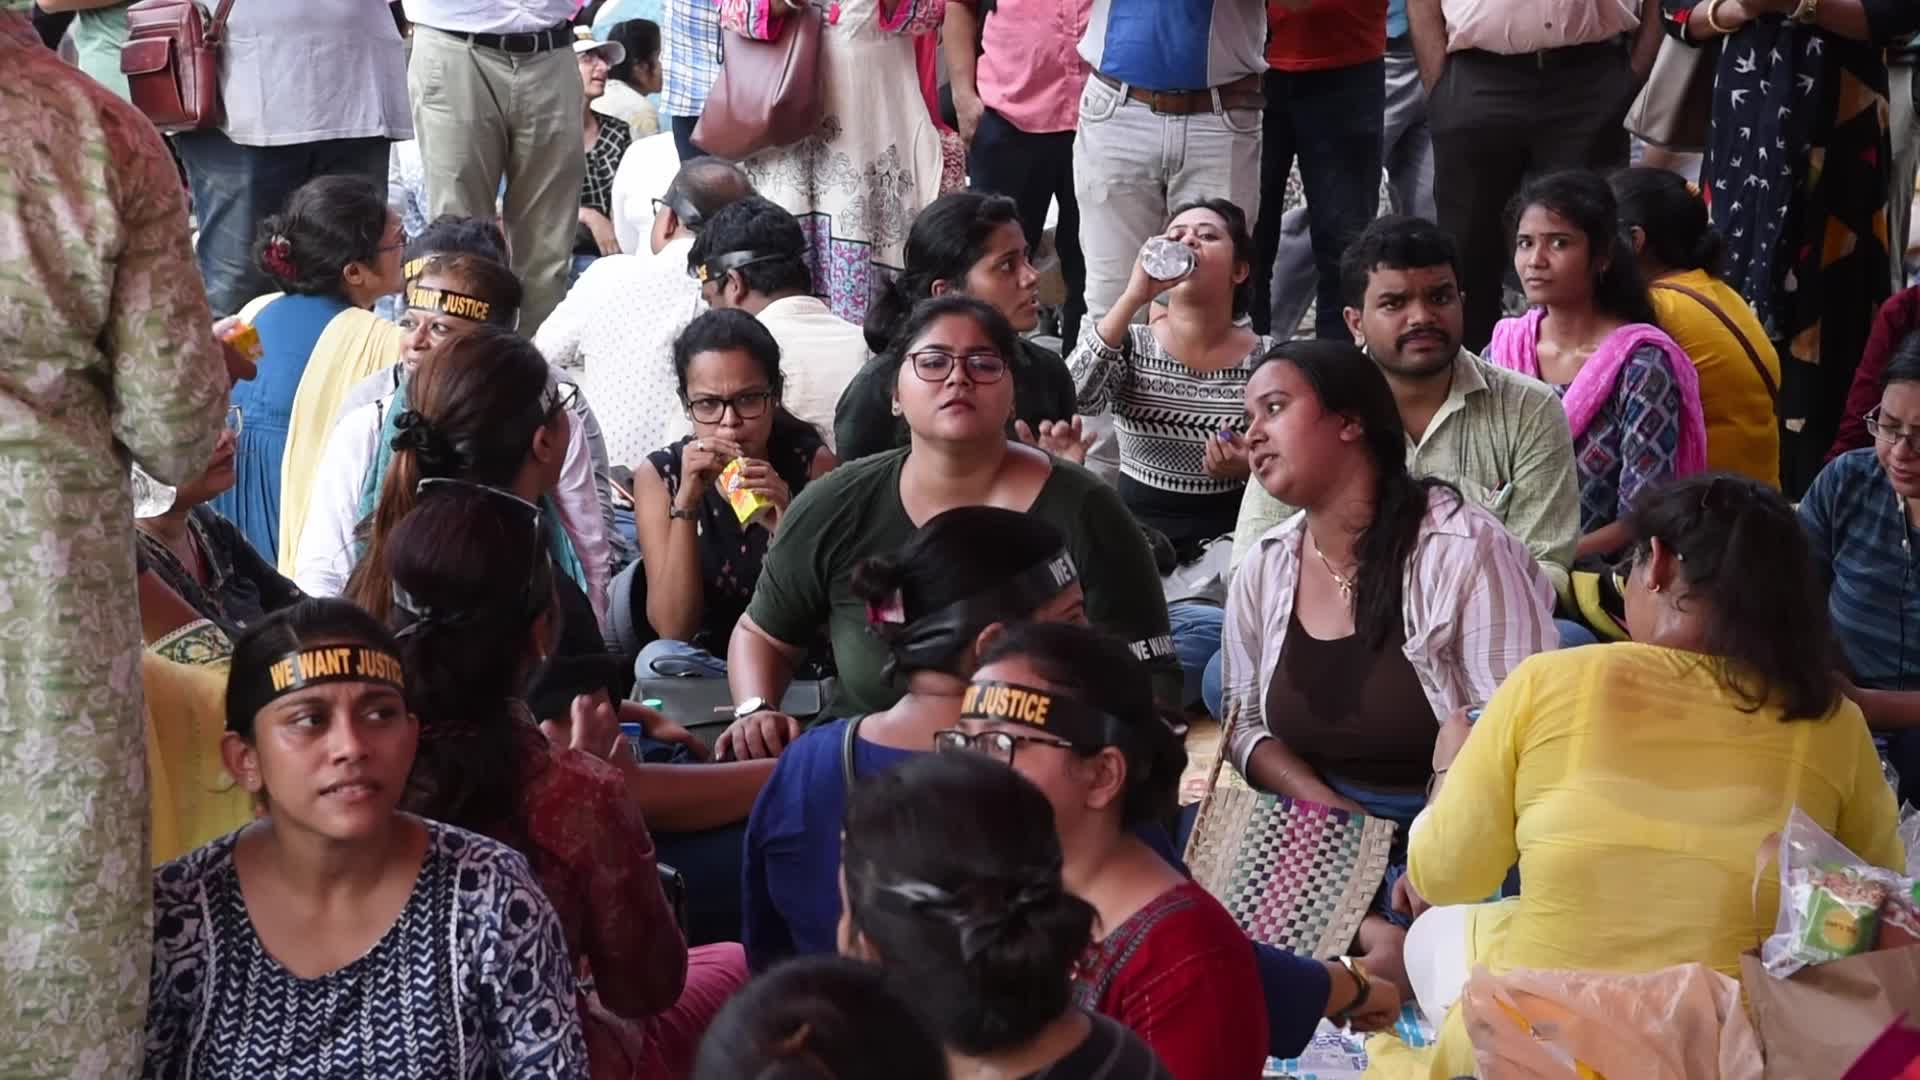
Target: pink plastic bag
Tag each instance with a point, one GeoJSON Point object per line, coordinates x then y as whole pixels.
{"type": "Point", "coordinates": [1679, 1023]}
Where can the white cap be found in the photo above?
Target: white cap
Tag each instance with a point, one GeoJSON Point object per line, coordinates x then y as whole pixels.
{"type": "Point", "coordinates": [583, 42]}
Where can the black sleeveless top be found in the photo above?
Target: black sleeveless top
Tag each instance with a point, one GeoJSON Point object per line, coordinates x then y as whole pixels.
{"type": "Point", "coordinates": [1354, 714]}
{"type": "Point", "coordinates": [730, 554]}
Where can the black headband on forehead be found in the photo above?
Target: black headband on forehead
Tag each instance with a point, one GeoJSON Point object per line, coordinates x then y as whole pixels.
{"type": "Point", "coordinates": [931, 640]}
{"type": "Point", "coordinates": [1057, 714]}
{"type": "Point", "coordinates": [302, 668]}
{"type": "Point", "coordinates": [458, 304]}
{"type": "Point", "coordinates": [719, 266]}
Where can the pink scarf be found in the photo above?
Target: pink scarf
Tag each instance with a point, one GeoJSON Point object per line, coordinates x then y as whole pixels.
{"type": "Point", "coordinates": [1516, 347]}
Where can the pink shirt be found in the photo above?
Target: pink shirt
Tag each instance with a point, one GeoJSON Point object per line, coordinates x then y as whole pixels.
{"type": "Point", "coordinates": [1030, 70]}
{"type": "Point", "coordinates": [1475, 603]}
{"type": "Point", "coordinates": [1524, 26]}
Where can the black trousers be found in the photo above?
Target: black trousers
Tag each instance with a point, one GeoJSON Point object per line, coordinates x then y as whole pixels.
{"type": "Point", "coordinates": [1497, 120]}
{"type": "Point", "coordinates": [1033, 170]}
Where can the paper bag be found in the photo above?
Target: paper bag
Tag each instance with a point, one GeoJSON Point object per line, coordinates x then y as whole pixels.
{"type": "Point", "coordinates": [1815, 1024]}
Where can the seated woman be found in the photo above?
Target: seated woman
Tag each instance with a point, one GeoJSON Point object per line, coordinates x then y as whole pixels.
{"type": "Point", "coordinates": [1632, 396]}
{"type": "Point", "coordinates": [948, 369]}
{"type": "Point", "coordinates": [278, 948]}
{"type": "Point", "coordinates": [824, 1017]}
{"type": "Point", "coordinates": [201, 555]}
{"type": "Point", "coordinates": [449, 297]}
{"type": "Point", "coordinates": [953, 885]}
{"type": "Point", "coordinates": [1175, 386]}
{"type": "Point", "coordinates": [1679, 253]}
{"type": "Point", "coordinates": [1358, 626]}
{"type": "Point", "coordinates": [334, 250]}
{"type": "Point", "coordinates": [970, 243]}
{"type": "Point", "coordinates": [634, 78]}
{"type": "Point", "coordinates": [478, 615]}
{"type": "Point", "coordinates": [1070, 710]}
{"type": "Point", "coordinates": [1860, 516]}
{"type": "Point", "coordinates": [700, 558]}
{"type": "Point", "coordinates": [931, 605]}
{"type": "Point", "coordinates": [1581, 771]}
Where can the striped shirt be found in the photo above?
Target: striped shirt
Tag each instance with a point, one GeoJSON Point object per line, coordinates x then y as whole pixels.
{"type": "Point", "coordinates": [689, 55]}
{"type": "Point", "coordinates": [1163, 411]}
{"type": "Point", "coordinates": [1475, 604]}
{"type": "Point", "coordinates": [1857, 527]}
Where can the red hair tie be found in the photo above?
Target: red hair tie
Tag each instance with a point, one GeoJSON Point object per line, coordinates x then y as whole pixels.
{"type": "Point", "coordinates": [278, 258]}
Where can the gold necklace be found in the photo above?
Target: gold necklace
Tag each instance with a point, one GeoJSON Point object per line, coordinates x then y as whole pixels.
{"type": "Point", "coordinates": [1341, 581]}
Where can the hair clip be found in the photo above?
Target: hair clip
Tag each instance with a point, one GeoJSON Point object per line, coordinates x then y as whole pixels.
{"type": "Point", "coordinates": [892, 612]}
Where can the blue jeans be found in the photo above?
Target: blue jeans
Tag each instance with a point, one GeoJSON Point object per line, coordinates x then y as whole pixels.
{"type": "Point", "coordinates": [236, 186]}
{"type": "Point", "coordinates": [1333, 122]}
{"type": "Point", "coordinates": [1573, 634]}
{"type": "Point", "coordinates": [666, 658]}
{"type": "Point", "coordinates": [1196, 640]}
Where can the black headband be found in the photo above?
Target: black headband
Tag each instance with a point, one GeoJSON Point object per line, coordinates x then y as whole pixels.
{"type": "Point", "coordinates": [1069, 718]}
{"type": "Point", "coordinates": [930, 641]}
{"type": "Point", "coordinates": [447, 302]}
{"type": "Point", "coordinates": [255, 690]}
{"type": "Point", "coordinates": [719, 266]}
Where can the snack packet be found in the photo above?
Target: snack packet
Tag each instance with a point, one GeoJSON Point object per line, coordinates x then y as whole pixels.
{"type": "Point", "coordinates": [1830, 901]}
{"type": "Point", "coordinates": [747, 505]}
{"type": "Point", "coordinates": [244, 339]}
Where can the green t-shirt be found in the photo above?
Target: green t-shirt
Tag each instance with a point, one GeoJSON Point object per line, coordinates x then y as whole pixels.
{"type": "Point", "coordinates": [97, 37]}
{"type": "Point", "coordinates": [855, 511]}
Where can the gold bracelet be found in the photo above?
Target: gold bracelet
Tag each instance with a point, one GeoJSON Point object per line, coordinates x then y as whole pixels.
{"type": "Point", "coordinates": [1713, 18]}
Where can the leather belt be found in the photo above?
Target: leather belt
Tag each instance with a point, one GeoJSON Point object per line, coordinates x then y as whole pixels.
{"type": "Point", "coordinates": [532, 41]}
{"type": "Point", "coordinates": [1245, 93]}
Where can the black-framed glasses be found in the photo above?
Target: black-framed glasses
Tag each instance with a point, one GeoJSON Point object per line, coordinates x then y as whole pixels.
{"type": "Point", "coordinates": [934, 365]}
{"type": "Point", "coordinates": [562, 395]}
{"type": "Point", "coordinates": [998, 745]}
{"type": "Point", "coordinates": [1887, 433]}
{"type": "Point", "coordinates": [747, 405]}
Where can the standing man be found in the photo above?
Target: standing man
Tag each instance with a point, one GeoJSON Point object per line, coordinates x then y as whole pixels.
{"type": "Point", "coordinates": [1518, 87]}
{"type": "Point", "coordinates": [497, 96]}
{"type": "Point", "coordinates": [310, 89]}
{"type": "Point", "coordinates": [690, 62]}
{"type": "Point", "coordinates": [1325, 90]}
{"type": "Point", "coordinates": [1903, 130]}
{"type": "Point", "coordinates": [106, 356]}
{"type": "Point", "coordinates": [1171, 115]}
{"type": "Point", "coordinates": [1017, 79]}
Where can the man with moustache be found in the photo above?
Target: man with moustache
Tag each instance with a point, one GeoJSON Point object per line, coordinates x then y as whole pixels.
{"type": "Point", "coordinates": [1498, 436]}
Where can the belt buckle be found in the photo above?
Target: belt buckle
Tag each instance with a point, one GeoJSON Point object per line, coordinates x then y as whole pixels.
{"type": "Point", "coordinates": [508, 42]}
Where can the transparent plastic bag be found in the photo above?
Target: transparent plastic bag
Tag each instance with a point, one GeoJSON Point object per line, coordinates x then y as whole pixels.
{"type": "Point", "coordinates": [1832, 902]}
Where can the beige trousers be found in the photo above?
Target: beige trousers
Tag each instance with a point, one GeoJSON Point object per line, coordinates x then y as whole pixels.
{"type": "Point", "coordinates": [482, 116]}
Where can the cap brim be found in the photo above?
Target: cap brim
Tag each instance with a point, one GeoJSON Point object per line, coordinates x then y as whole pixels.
{"type": "Point", "coordinates": [615, 52]}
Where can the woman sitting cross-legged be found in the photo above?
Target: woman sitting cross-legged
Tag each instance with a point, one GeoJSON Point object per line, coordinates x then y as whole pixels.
{"type": "Point", "coordinates": [478, 616]}
{"type": "Point", "coordinates": [700, 559]}
{"type": "Point", "coordinates": [1634, 782]}
{"type": "Point", "coordinates": [1356, 627]}
{"type": "Point", "coordinates": [953, 884]}
{"type": "Point", "coordinates": [949, 374]}
{"type": "Point", "coordinates": [932, 605]}
{"type": "Point", "coordinates": [336, 935]}
{"type": "Point", "coordinates": [1632, 395]}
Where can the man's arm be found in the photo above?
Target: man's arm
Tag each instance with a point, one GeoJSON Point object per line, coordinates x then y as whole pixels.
{"type": "Point", "coordinates": [1646, 40]}
{"type": "Point", "coordinates": [959, 35]}
{"type": "Point", "coordinates": [1428, 25]}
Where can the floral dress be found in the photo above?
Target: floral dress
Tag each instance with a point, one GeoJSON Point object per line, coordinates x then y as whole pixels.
{"type": "Point", "coordinates": [106, 354]}
{"type": "Point", "coordinates": [858, 182]}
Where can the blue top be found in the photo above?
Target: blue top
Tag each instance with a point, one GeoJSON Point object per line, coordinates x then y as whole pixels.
{"type": "Point", "coordinates": [288, 327]}
{"type": "Point", "coordinates": [1858, 530]}
{"type": "Point", "coordinates": [1396, 18]}
{"type": "Point", "coordinates": [1176, 44]}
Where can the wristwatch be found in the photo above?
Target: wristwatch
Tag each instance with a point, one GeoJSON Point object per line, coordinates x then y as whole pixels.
{"type": "Point", "coordinates": [1363, 986]}
{"type": "Point", "coordinates": [749, 707]}
{"type": "Point", "coordinates": [684, 515]}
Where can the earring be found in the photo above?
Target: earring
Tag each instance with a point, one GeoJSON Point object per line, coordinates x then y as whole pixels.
{"type": "Point", "coordinates": [895, 406]}
{"type": "Point", "coordinates": [1653, 586]}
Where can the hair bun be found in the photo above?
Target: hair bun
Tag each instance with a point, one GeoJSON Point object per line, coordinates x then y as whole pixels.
{"type": "Point", "coordinates": [277, 257]}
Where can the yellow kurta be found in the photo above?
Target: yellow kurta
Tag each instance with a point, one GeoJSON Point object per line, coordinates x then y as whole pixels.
{"type": "Point", "coordinates": [194, 800]}
{"type": "Point", "coordinates": [1742, 435]}
{"type": "Point", "coordinates": [1634, 794]}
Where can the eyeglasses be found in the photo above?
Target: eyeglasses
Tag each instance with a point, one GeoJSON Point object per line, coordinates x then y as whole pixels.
{"type": "Point", "coordinates": [562, 395]}
{"type": "Point", "coordinates": [1886, 433]}
{"type": "Point", "coordinates": [235, 421]}
{"type": "Point", "coordinates": [998, 745]}
{"type": "Point", "coordinates": [934, 365]}
{"type": "Point", "coordinates": [750, 405]}
{"type": "Point", "coordinates": [533, 597]}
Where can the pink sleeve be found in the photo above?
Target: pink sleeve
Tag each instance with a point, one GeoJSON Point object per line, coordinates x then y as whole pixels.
{"type": "Point", "coordinates": [911, 17]}
{"type": "Point", "coordinates": [751, 18]}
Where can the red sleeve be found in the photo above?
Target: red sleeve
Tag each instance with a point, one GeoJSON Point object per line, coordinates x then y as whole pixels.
{"type": "Point", "coordinates": [628, 934]}
{"type": "Point", "coordinates": [1897, 318]}
{"type": "Point", "coordinates": [1192, 993]}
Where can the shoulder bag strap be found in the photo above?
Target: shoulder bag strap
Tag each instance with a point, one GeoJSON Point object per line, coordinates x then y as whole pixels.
{"type": "Point", "coordinates": [846, 750]}
{"type": "Point", "coordinates": [219, 24]}
{"type": "Point", "coordinates": [1773, 391]}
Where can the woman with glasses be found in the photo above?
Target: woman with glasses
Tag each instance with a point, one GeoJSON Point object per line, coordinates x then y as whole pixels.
{"type": "Point", "coordinates": [198, 553]}
{"type": "Point", "coordinates": [930, 605]}
{"type": "Point", "coordinates": [1642, 777]}
{"type": "Point", "coordinates": [1862, 517]}
{"type": "Point", "coordinates": [333, 250]}
{"type": "Point", "coordinates": [1175, 384]}
{"type": "Point", "coordinates": [701, 557]}
{"type": "Point", "coordinates": [1071, 711]}
{"type": "Point", "coordinates": [948, 370]}
{"type": "Point", "coordinates": [478, 616]}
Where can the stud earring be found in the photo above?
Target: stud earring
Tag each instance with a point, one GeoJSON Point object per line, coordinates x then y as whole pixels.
{"type": "Point", "coordinates": [895, 406]}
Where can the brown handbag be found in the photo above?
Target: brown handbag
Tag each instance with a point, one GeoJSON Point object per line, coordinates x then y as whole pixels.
{"type": "Point", "coordinates": [768, 92]}
{"type": "Point", "coordinates": [1675, 108]}
{"type": "Point", "coordinates": [172, 63]}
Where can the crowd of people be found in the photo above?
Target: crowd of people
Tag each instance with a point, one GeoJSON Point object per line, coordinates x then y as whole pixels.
{"type": "Point", "coordinates": [497, 590]}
